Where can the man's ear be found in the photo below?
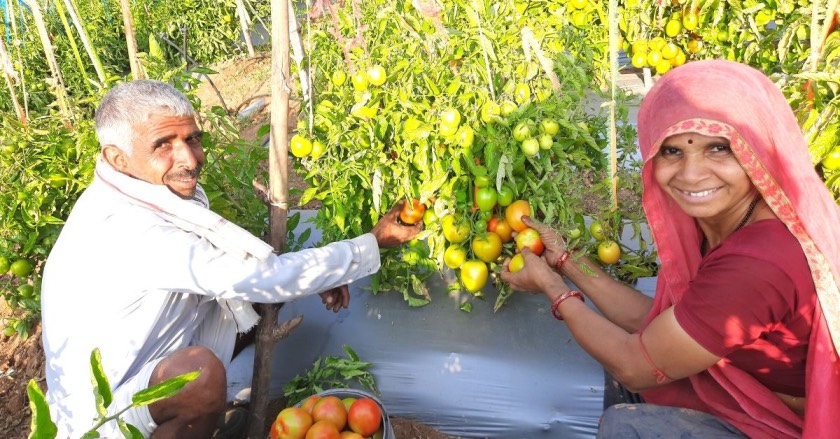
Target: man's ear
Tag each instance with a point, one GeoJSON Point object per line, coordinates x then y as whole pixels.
{"type": "Point", "coordinates": [115, 157]}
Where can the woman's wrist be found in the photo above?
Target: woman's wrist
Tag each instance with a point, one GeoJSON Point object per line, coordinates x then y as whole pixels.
{"type": "Point", "coordinates": [555, 304]}
{"type": "Point", "coordinates": [561, 261]}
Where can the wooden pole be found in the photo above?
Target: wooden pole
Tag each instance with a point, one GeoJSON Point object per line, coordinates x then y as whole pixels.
{"type": "Point", "coordinates": [94, 57]}
{"type": "Point", "coordinates": [8, 73]}
{"type": "Point", "coordinates": [131, 40]}
{"type": "Point", "coordinates": [243, 22]}
{"type": "Point", "coordinates": [16, 40]}
{"type": "Point", "coordinates": [267, 330]}
{"type": "Point", "coordinates": [49, 54]}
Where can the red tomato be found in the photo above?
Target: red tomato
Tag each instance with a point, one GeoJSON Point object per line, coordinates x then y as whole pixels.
{"type": "Point", "coordinates": [412, 212]}
{"type": "Point", "coordinates": [485, 198]}
{"type": "Point", "coordinates": [530, 238]}
{"type": "Point", "coordinates": [291, 423]}
{"type": "Point", "coordinates": [323, 430]}
{"type": "Point", "coordinates": [514, 212]}
{"type": "Point", "coordinates": [500, 227]}
{"type": "Point", "coordinates": [364, 416]}
{"type": "Point", "coordinates": [331, 409]}
{"type": "Point", "coordinates": [309, 403]}
{"type": "Point", "coordinates": [487, 247]}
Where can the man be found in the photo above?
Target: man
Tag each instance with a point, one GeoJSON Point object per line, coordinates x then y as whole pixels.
{"type": "Point", "coordinates": [161, 285]}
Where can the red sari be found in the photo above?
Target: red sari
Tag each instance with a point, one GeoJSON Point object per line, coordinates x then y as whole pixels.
{"type": "Point", "coordinates": [731, 100]}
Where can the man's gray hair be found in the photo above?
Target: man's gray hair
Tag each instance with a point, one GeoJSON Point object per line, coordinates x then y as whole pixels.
{"type": "Point", "coordinates": [130, 104]}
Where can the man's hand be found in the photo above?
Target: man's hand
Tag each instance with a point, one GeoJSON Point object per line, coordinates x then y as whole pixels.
{"type": "Point", "coordinates": [390, 233]}
{"type": "Point", "coordinates": [336, 298]}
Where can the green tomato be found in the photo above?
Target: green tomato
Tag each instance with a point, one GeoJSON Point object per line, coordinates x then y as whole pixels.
{"type": "Point", "coordinates": [485, 199]}
{"type": "Point", "coordinates": [546, 141]}
{"type": "Point", "coordinates": [549, 126]}
{"type": "Point", "coordinates": [530, 147]}
{"type": "Point", "coordinates": [465, 137]}
{"type": "Point", "coordinates": [482, 180]}
{"type": "Point", "coordinates": [508, 107]}
{"type": "Point", "coordinates": [490, 111]}
{"type": "Point", "coordinates": [505, 195]}
{"type": "Point", "coordinates": [832, 160]}
{"type": "Point", "coordinates": [339, 78]}
{"type": "Point", "coordinates": [522, 131]}
{"type": "Point", "coordinates": [449, 121]}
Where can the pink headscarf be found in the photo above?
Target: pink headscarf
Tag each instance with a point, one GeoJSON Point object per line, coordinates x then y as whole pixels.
{"type": "Point", "coordinates": [731, 100]}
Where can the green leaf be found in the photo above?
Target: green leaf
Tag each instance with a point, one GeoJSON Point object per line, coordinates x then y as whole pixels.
{"type": "Point", "coordinates": [101, 386]}
{"type": "Point", "coordinates": [129, 431]}
{"type": "Point", "coordinates": [163, 390]}
{"type": "Point", "coordinates": [41, 424]}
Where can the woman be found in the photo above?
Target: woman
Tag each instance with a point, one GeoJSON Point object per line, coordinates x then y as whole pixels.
{"type": "Point", "coordinates": [738, 338]}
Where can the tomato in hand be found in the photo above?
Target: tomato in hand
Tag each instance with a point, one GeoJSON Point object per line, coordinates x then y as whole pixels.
{"type": "Point", "coordinates": [474, 275]}
{"type": "Point", "coordinates": [412, 212]}
{"type": "Point", "coordinates": [514, 212]}
{"type": "Point", "coordinates": [487, 247]}
{"type": "Point", "coordinates": [485, 198]}
{"type": "Point", "coordinates": [530, 238]}
{"type": "Point", "coordinates": [516, 263]}
{"type": "Point", "coordinates": [609, 252]}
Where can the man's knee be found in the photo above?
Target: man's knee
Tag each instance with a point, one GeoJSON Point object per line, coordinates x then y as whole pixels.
{"type": "Point", "coordinates": [208, 390]}
{"type": "Point", "coordinates": [618, 421]}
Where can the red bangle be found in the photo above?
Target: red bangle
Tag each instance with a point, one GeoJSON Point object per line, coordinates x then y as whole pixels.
{"type": "Point", "coordinates": [556, 305]}
{"type": "Point", "coordinates": [558, 265]}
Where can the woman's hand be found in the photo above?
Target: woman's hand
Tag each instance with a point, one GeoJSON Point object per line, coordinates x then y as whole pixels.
{"type": "Point", "coordinates": [536, 275]}
{"type": "Point", "coordinates": [555, 246]}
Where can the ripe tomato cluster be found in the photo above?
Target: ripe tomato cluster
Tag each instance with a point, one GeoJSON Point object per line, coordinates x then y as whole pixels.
{"type": "Point", "coordinates": [671, 42]}
{"type": "Point", "coordinates": [329, 417]}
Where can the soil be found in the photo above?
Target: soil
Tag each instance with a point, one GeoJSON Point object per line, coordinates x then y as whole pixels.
{"type": "Point", "coordinates": [240, 83]}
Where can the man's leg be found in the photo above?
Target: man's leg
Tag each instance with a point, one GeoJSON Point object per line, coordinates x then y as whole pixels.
{"type": "Point", "coordinates": [195, 410]}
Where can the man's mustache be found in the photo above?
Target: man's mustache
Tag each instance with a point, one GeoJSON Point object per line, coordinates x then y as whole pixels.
{"type": "Point", "coordinates": [186, 173]}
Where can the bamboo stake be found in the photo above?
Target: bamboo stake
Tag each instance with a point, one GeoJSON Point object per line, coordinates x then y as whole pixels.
{"type": "Point", "coordinates": [131, 40]}
{"type": "Point", "coordinates": [244, 19]}
{"type": "Point", "coordinates": [94, 57]}
{"type": "Point", "coordinates": [612, 41]}
{"type": "Point", "coordinates": [49, 53]}
{"type": "Point", "coordinates": [9, 73]}
{"type": "Point", "coordinates": [16, 40]}
{"type": "Point", "coordinates": [59, 7]}
{"type": "Point", "coordinates": [267, 330]}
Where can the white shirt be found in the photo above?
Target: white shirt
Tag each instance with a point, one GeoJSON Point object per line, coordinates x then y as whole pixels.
{"type": "Point", "coordinates": [122, 279]}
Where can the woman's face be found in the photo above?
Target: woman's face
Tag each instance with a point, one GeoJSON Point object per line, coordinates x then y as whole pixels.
{"type": "Point", "coordinates": [703, 176]}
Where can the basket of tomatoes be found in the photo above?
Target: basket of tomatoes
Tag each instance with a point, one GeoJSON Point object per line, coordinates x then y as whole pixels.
{"type": "Point", "coordinates": [334, 413]}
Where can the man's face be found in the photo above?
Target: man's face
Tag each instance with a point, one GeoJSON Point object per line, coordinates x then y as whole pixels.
{"type": "Point", "coordinates": [167, 150]}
